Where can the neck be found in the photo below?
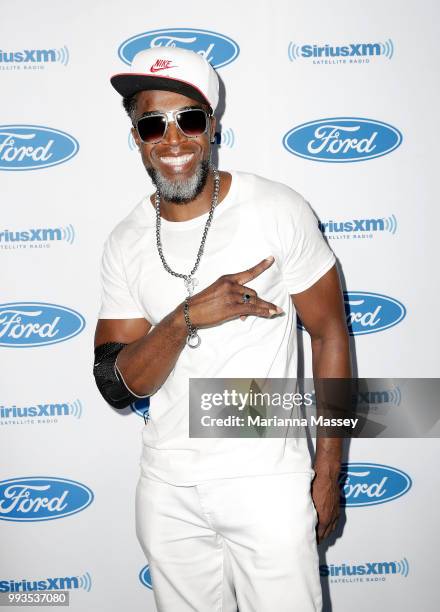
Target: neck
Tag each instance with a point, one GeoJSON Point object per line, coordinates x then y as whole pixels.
{"type": "Point", "coordinates": [197, 207]}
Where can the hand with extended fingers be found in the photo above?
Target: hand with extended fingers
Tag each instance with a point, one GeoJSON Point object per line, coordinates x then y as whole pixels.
{"type": "Point", "coordinates": [228, 298]}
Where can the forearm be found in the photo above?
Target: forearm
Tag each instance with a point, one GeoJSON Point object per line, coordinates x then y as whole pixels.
{"type": "Point", "coordinates": [331, 359]}
{"type": "Point", "coordinates": [146, 363]}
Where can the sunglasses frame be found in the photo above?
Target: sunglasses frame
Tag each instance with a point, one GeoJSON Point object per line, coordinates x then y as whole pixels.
{"type": "Point", "coordinates": [170, 117]}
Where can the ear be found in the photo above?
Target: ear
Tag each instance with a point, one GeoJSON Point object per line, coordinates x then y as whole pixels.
{"type": "Point", "coordinates": [213, 124]}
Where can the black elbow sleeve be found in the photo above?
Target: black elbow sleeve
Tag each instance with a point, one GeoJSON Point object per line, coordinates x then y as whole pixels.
{"type": "Point", "coordinates": [110, 384]}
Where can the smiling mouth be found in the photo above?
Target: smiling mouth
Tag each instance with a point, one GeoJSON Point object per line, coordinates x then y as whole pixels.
{"type": "Point", "coordinates": [179, 160]}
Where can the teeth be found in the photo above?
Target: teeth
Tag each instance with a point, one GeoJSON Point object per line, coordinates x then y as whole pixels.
{"type": "Point", "coordinates": [177, 161]}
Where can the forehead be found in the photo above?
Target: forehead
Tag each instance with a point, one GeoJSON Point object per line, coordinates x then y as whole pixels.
{"type": "Point", "coordinates": [158, 100]}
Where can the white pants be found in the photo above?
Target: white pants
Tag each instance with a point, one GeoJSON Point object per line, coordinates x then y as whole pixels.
{"type": "Point", "coordinates": [246, 541]}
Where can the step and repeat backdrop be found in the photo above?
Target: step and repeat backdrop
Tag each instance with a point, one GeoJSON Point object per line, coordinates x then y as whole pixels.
{"type": "Point", "coordinates": [339, 101]}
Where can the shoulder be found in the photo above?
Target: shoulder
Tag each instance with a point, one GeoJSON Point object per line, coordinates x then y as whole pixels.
{"type": "Point", "coordinates": [133, 226]}
{"type": "Point", "coordinates": [270, 197]}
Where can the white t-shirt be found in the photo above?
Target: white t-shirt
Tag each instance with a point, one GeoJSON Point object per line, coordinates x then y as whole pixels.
{"type": "Point", "coordinates": [256, 219]}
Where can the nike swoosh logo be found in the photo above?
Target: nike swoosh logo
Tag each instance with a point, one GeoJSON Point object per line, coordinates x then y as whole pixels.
{"type": "Point", "coordinates": [153, 69]}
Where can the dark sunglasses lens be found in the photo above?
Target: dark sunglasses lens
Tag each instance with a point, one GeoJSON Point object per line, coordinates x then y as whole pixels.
{"type": "Point", "coordinates": [192, 122]}
{"type": "Point", "coordinates": [151, 129]}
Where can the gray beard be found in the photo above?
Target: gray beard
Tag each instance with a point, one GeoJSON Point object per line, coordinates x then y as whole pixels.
{"type": "Point", "coordinates": [181, 192]}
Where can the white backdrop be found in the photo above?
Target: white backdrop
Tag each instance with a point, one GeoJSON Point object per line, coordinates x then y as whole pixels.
{"type": "Point", "coordinates": [62, 196]}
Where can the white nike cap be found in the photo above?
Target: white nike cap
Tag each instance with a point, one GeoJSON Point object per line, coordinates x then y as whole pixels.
{"type": "Point", "coordinates": [170, 69]}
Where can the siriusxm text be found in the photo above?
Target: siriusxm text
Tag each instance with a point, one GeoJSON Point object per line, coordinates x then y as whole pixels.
{"type": "Point", "coordinates": [32, 235]}
{"type": "Point", "coordinates": [354, 225]}
{"type": "Point", "coordinates": [38, 410]}
{"type": "Point", "coordinates": [365, 569]}
{"type": "Point", "coordinates": [47, 584]}
{"type": "Point", "coordinates": [368, 397]}
{"type": "Point", "coordinates": [351, 50]}
{"type": "Point", "coordinates": [375, 397]}
{"type": "Point", "coordinates": [29, 55]}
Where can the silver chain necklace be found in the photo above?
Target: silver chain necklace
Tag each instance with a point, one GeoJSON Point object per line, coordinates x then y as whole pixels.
{"type": "Point", "coordinates": [189, 280]}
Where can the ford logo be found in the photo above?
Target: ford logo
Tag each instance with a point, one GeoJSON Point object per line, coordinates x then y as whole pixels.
{"type": "Point", "coordinates": [218, 49]}
{"type": "Point", "coordinates": [368, 484]}
{"type": "Point", "coordinates": [342, 139]}
{"type": "Point", "coordinates": [145, 577]}
{"type": "Point", "coordinates": [42, 498]}
{"type": "Point", "coordinates": [371, 312]}
{"type": "Point", "coordinates": [24, 324]}
{"type": "Point", "coordinates": [31, 147]}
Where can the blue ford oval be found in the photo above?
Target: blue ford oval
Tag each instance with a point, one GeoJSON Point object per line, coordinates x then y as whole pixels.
{"type": "Point", "coordinates": [368, 484]}
{"type": "Point", "coordinates": [218, 49]}
{"type": "Point", "coordinates": [342, 139]}
{"type": "Point", "coordinates": [42, 498]}
{"type": "Point", "coordinates": [28, 324]}
{"type": "Point", "coordinates": [368, 313]}
{"type": "Point", "coordinates": [32, 147]}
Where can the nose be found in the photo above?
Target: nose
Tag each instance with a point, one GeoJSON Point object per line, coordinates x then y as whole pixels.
{"type": "Point", "coordinates": [173, 135]}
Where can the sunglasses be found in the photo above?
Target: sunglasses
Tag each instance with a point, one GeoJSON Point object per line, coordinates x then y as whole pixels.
{"type": "Point", "coordinates": [192, 122]}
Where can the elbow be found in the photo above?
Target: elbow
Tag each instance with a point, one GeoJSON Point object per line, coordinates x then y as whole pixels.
{"type": "Point", "coordinates": [114, 394]}
{"type": "Point", "coordinates": [109, 381]}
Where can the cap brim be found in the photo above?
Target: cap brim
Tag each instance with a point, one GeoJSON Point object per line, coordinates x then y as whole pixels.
{"type": "Point", "coordinates": [128, 84]}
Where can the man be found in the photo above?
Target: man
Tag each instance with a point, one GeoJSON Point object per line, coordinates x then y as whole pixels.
{"type": "Point", "coordinates": [203, 279]}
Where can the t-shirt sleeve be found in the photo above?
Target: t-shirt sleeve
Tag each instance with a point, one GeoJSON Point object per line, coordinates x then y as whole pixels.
{"type": "Point", "coordinates": [307, 256]}
{"type": "Point", "coordinates": [116, 299]}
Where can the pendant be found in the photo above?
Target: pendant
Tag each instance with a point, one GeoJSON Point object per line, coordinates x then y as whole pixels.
{"type": "Point", "coordinates": [193, 340]}
{"type": "Point", "coordinates": [190, 283]}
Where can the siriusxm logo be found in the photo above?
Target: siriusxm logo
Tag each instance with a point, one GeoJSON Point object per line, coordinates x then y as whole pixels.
{"type": "Point", "coordinates": [371, 571]}
{"type": "Point", "coordinates": [351, 53]}
{"type": "Point", "coordinates": [31, 59]}
{"type": "Point", "coordinates": [145, 577]}
{"type": "Point", "coordinates": [216, 48]}
{"type": "Point", "coordinates": [368, 484]}
{"type": "Point", "coordinates": [25, 324]}
{"type": "Point", "coordinates": [39, 413]}
{"type": "Point", "coordinates": [358, 228]}
{"type": "Point", "coordinates": [224, 138]}
{"type": "Point", "coordinates": [58, 583]}
{"type": "Point", "coordinates": [368, 313]}
{"type": "Point", "coordinates": [36, 237]}
{"type": "Point", "coordinates": [342, 139]}
{"type": "Point", "coordinates": [31, 147]}
{"type": "Point", "coordinates": [364, 399]}
{"type": "Point", "coordinates": [378, 398]}
{"type": "Point", "coordinates": [42, 498]}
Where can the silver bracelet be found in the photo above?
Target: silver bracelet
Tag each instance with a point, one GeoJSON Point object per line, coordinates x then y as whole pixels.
{"type": "Point", "coordinates": [193, 339]}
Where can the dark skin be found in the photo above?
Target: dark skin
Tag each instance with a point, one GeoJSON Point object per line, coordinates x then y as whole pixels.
{"type": "Point", "coordinates": [151, 353]}
{"type": "Point", "coordinates": [321, 309]}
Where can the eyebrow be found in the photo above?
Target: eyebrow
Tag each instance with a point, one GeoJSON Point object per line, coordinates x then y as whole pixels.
{"type": "Point", "coordinates": [157, 112]}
